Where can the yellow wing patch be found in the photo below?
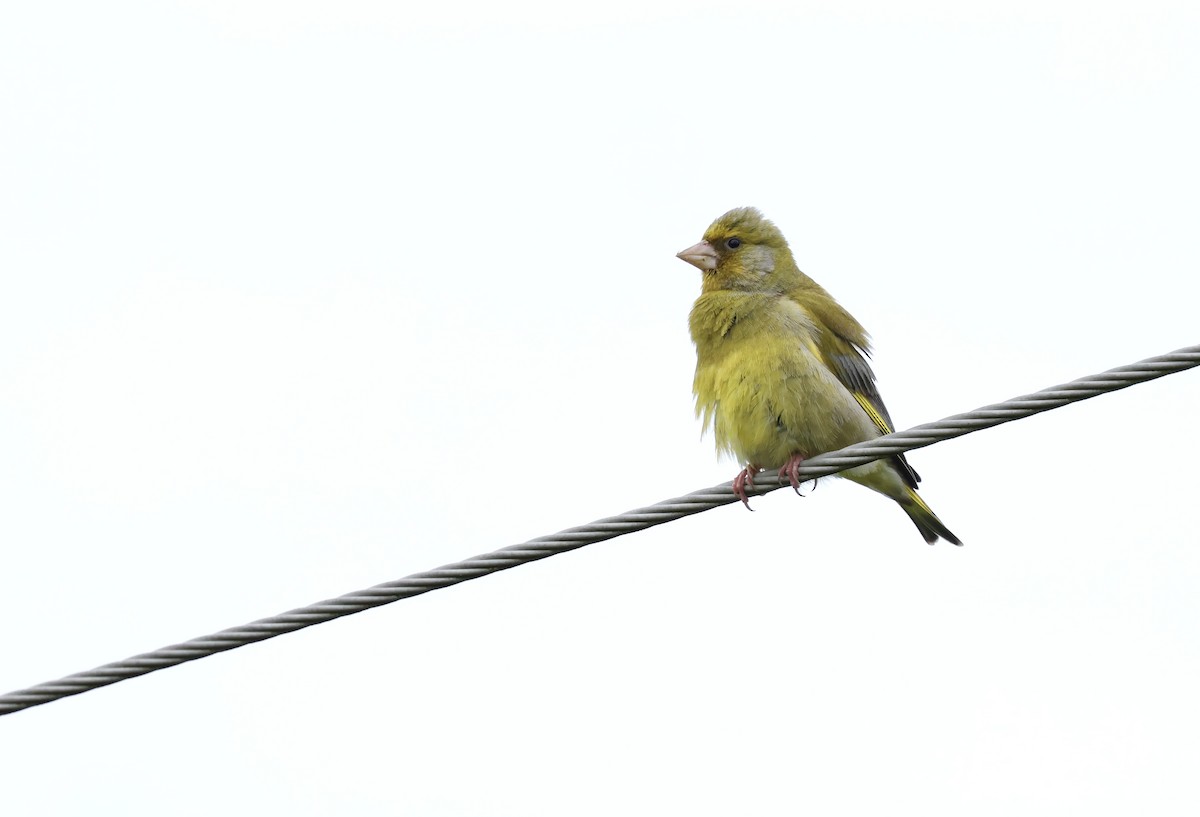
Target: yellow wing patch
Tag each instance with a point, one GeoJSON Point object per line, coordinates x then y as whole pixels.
{"type": "Point", "coordinates": [873, 413]}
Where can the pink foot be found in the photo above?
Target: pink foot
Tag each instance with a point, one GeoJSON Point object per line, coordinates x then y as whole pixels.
{"type": "Point", "coordinates": [791, 470]}
{"type": "Point", "coordinates": [744, 480]}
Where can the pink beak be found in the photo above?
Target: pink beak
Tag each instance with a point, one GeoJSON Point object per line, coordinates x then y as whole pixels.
{"type": "Point", "coordinates": [702, 256]}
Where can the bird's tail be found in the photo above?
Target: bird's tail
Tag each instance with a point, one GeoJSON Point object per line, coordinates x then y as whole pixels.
{"type": "Point", "coordinates": [925, 519]}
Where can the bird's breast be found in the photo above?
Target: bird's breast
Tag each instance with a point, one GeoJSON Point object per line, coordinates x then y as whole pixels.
{"type": "Point", "coordinates": [763, 389]}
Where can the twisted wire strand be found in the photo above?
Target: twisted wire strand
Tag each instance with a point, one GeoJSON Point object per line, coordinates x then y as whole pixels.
{"type": "Point", "coordinates": [598, 531]}
{"type": "Point", "coordinates": [1016, 408]}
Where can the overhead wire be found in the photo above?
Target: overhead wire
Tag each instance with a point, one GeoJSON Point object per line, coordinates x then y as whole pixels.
{"type": "Point", "coordinates": [598, 531]}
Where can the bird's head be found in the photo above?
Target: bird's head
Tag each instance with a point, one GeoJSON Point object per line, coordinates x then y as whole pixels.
{"type": "Point", "coordinates": [741, 250]}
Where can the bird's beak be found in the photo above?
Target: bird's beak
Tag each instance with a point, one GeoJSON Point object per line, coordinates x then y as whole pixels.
{"type": "Point", "coordinates": [702, 256]}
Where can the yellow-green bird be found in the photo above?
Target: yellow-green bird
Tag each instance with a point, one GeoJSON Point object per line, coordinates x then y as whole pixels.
{"type": "Point", "coordinates": [781, 369]}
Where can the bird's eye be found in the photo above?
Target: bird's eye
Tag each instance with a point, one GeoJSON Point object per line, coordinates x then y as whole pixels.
{"type": "Point", "coordinates": [733, 243]}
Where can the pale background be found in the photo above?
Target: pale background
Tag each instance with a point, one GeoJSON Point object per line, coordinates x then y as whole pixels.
{"type": "Point", "coordinates": [302, 297]}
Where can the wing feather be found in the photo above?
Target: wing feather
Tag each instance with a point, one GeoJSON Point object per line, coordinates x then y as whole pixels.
{"type": "Point", "coordinates": [844, 348]}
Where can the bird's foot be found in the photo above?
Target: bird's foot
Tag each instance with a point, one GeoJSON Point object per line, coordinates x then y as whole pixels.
{"type": "Point", "coordinates": [744, 480]}
{"type": "Point", "coordinates": [791, 470]}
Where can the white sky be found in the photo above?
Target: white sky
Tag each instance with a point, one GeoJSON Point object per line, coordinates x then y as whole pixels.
{"type": "Point", "coordinates": [298, 298]}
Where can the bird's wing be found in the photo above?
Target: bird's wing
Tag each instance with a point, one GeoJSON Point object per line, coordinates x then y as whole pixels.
{"type": "Point", "coordinates": [848, 363]}
{"type": "Point", "coordinates": [843, 347]}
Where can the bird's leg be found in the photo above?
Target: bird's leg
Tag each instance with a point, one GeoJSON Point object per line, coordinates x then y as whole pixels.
{"type": "Point", "coordinates": [744, 480]}
{"type": "Point", "coordinates": [791, 470]}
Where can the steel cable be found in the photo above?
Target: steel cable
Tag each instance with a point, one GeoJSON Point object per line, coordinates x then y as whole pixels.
{"type": "Point", "coordinates": [599, 531]}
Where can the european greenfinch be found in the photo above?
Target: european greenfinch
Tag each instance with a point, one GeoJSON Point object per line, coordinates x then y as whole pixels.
{"type": "Point", "coordinates": [781, 367]}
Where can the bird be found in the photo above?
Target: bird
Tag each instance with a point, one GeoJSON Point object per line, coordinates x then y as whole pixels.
{"type": "Point", "coordinates": [781, 367]}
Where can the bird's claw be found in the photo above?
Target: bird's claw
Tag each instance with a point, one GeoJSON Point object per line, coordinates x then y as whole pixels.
{"type": "Point", "coordinates": [744, 480]}
{"type": "Point", "coordinates": [791, 470]}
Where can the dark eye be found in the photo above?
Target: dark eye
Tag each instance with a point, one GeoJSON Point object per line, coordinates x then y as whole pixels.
{"type": "Point", "coordinates": [733, 243]}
